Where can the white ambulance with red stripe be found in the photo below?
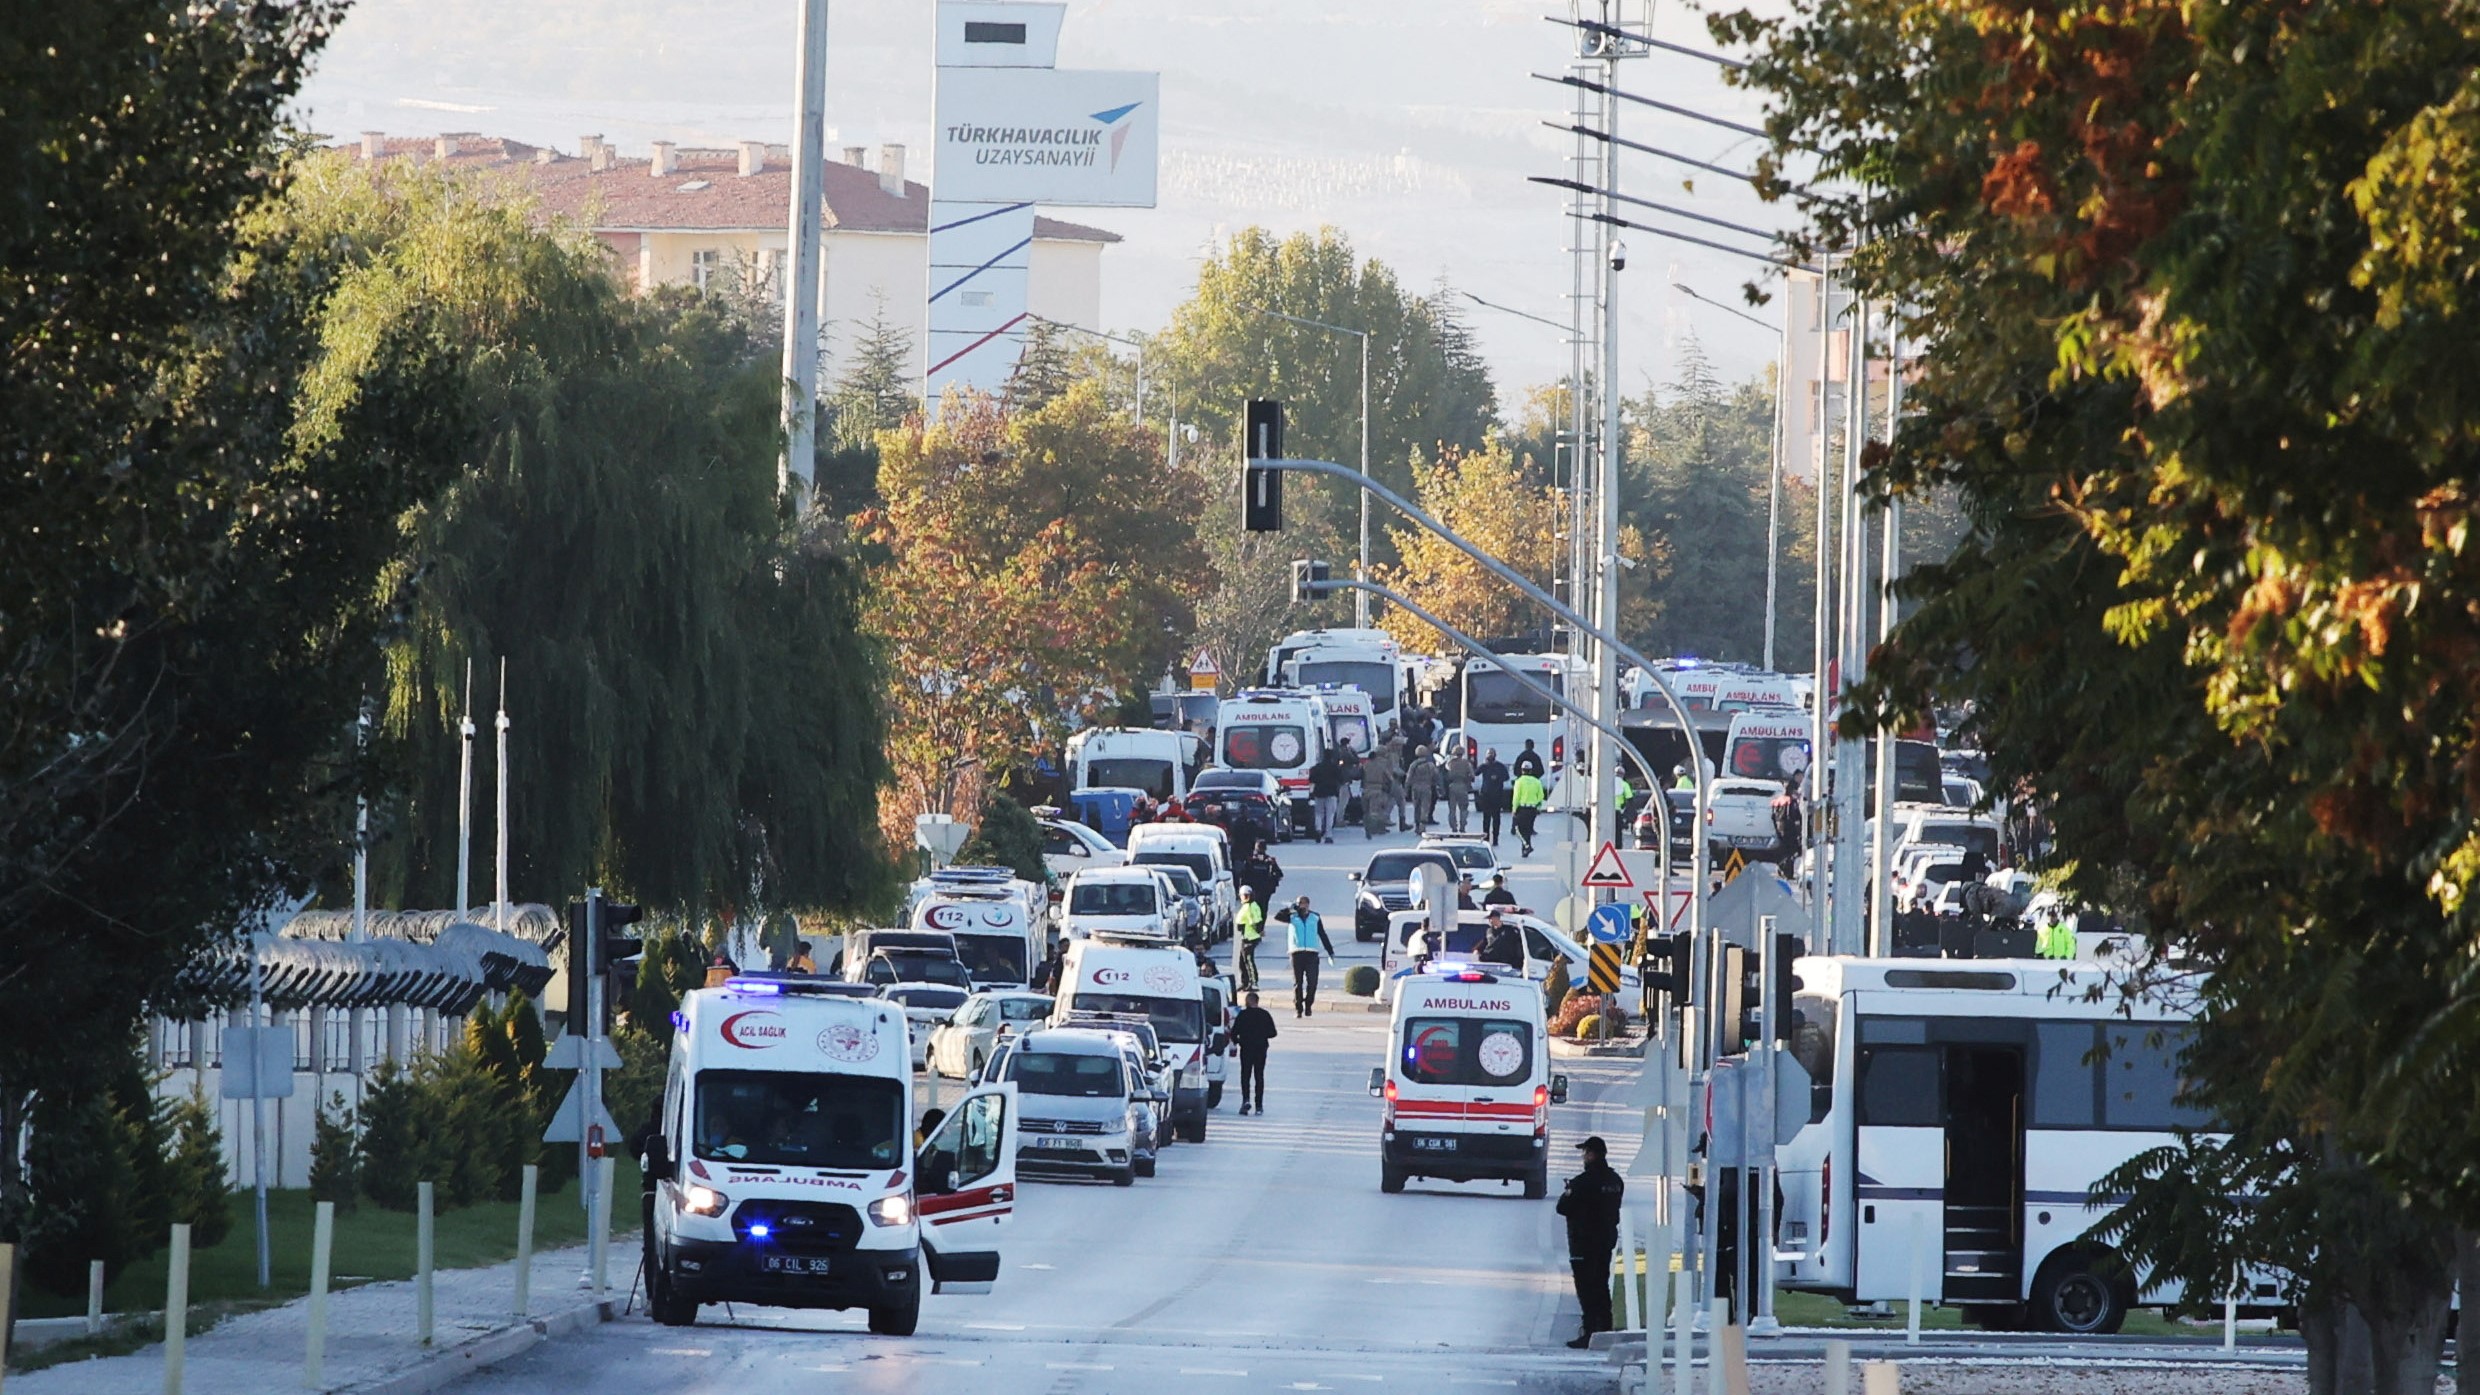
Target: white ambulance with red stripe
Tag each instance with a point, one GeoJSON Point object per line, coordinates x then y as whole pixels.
{"type": "Point", "coordinates": [782, 1164]}
{"type": "Point", "coordinates": [1467, 1083]}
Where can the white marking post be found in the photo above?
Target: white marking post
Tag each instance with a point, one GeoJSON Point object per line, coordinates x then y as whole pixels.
{"type": "Point", "coordinates": [322, 1246]}
{"type": "Point", "coordinates": [525, 1237]}
{"type": "Point", "coordinates": [176, 1308]}
{"type": "Point", "coordinates": [1881, 1378]}
{"type": "Point", "coordinates": [1838, 1368]}
{"type": "Point", "coordinates": [1920, 1279]}
{"type": "Point", "coordinates": [422, 1244]}
{"type": "Point", "coordinates": [1683, 1332]}
{"type": "Point", "coordinates": [94, 1296]}
{"type": "Point", "coordinates": [602, 1224]}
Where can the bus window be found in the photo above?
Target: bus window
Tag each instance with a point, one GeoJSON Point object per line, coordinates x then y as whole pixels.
{"type": "Point", "coordinates": [2140, 1078]}
{"type": "Point", "coordinates": [1812, 1044]}
{"type": "Point", "coordinates": [1898, 1086]}
{"type": "Point", "coordinates": [2062, 1076]}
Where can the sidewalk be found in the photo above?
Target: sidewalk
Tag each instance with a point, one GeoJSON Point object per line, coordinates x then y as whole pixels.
{"type": "Point", "coordinates": [370, 1335]}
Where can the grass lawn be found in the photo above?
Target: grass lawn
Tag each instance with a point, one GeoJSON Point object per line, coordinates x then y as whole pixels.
{"type": "Point", "coordinates": [1818, 1310]}
{"type": "Point", "coordinates": [370, 1244]}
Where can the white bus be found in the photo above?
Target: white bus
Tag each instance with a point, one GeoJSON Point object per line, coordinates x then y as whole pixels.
{"type": "Point", "coordinates": [1969, 1107]}
{"type": "Point", "coordinates": [1501, 714]}
{"type": "Point", "coordinates": [1369, 660]}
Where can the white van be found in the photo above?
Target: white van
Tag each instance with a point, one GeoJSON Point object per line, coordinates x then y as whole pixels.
{"type": "Point", "coordinates": [1137, 758]}
{"type": "Point", "coordinates": [1772, 744]}
{"type": "Point", "coordinates": [997, 942]}
{"type": "Point", "coordinates": [1206, 852]}
{"type": "Point", "coordinates": [1467, 1082]}
{"type": "Point", "coordinates": [1118, 901]}
{"type": "Point", "coordinates": [784, 1166]}
{"type": "Point", "coordinates": [1277, 730]}
{"type": "Point", "coordinates": [1111, 974]}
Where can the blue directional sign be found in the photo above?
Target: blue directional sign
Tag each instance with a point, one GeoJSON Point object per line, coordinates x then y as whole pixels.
{"type": "Point", "coordinates": [1610, 924]}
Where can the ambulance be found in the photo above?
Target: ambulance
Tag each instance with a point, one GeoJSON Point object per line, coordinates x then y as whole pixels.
{"type": "Point", "coordinates": [1112, 973]}
{"type": "Point", "coordinates": [1467, 1082]}
{"type": "Point", "coordinates": [1278, 730]}
{"type": "Point", "coordinates": [784, 1169]}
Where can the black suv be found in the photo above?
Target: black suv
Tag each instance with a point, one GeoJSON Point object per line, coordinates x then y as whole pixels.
{"type": "Point", "coordinates": [1386, 887]}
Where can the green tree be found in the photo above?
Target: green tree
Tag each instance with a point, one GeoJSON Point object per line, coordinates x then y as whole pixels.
{"type": "Point", "coordinates": [1043, 371]}
{"type": "Point", "coordinates": [1427, 391]}
{"type": "Point", "coordinates": [1006, 836]}
{"type": "Point", "coordinates": [201, 1192]}
{"type": "Point", "coordinates": [100, 1156]}
{"type": "Point", "coordinates": [335, 1162]}
{"type": "Point", "coordinates": [878, 388]}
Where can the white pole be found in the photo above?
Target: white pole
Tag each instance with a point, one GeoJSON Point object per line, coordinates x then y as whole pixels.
{"type": "Point", "coordinates": [465, 798]}
{"type": "Point", "coordinates": [801, 272]}
{"type": "Point", "coordinates": [1773, 483]}
{"type": "Point", "coordinates": [258, 1111]}
{"type": "Point", "coordinates": [1683, 1332]}
{"type": "Point", "coordinates": [1360, 599]}
{"type": "Point", "coordinates": [1626, 1308]}
{"type": "Point", "coordinates": [422, 1247]}
{"type": "Point", "coordinates": [525, 1238]}
{"type": "Point", "coordinates": [500, 825]}
{"type": "Point", "coordinates": [176, 1308]}
{"type": "Point", "coordinates": [322, 1245]}
{"type": "Point", "coordinates": [1821, 740]}
{"type": "Point", "coordinates": [1881, 900]}
{"type": "Point", "coordinates": [1838, 1368]}
{"type": "Point", "coordinates": [356, 1059]}
{"type": "Point", "coordinates": [602, 1222]}
{"type": "Point", "coordinates": [1881, 1378]}
{"type": "Point", "coordinates": [1717, 1324]}
{"type": "Point", "coordinates": [1602, 789]}
{"type": "Point", "coordinates": [94, 1291]}
{"type": "Point", "coordinates": [1920, 1280]}
{"type": "Point", "coordinates": [2230, 1315]}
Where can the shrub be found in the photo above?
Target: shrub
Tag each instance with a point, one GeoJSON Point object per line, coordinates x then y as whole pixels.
{"type": "Point", "coordinates": [201, 1190]}
{"type": "Point", "coordinates": [1008, 835]}
{"type": "Point", "coordinates": [1588, 1027]}
{"type": "Point", "coordinates": [1361, 981]}
{"type": "Point", "coordinates": [98, 1165]}
{"type": "Point", "coordinates": [335, 1161]}
{"type": "Point", "coordinates": [1572, 1015]}
{"type": "Point", "coordinates": [1555, 989]}
{"type": "Point", "coordinates": [400, 1140]}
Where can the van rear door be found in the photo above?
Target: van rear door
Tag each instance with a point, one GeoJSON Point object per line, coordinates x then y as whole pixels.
{"type": "Point", "coordinates": [971, 1163]}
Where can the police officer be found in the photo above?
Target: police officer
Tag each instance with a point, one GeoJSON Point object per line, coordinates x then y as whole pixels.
{"type": "Point", "coordinates": [1591, 1205]}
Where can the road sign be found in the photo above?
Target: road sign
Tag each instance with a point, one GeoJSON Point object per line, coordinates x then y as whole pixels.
{"type": "Point", "coordinates": [569, 1124]}
{"type": "Point", "coordinates": [1674, 904]}
{"type": "Point", "coordinates": [1203, 672]}
{"type": "Point", "coordinates": [1792, 1090]}
{"type": "Point", "coordinates": [568, 1052]}
{"type": "Point", "coordinates": [1569, 914]}
{"type": "Point", "coordinates": [258, 1063]}
{"type": "Point", "coordinates": [1733, 866]}
{"type": "Point", "coordinates": [1608, 872]}
{"type": "Point", "coordinates": [1612, 924]}
{"type": "Point", "coordinates": [1604, 973]}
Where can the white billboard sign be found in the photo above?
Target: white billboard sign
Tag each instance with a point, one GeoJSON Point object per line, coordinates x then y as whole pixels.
{"type": "Point", "coordinates": [1046, 136]}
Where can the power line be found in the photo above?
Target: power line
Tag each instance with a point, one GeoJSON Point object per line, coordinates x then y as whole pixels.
{"type": "Point", "coordinates": [1624, 36]}
{"type": "Point", "coordinates": [1765, 233]}
{"type": "Point", "coordinates": [1676, 236]}
{"type": "Point", "coordinates": [1571, 80]}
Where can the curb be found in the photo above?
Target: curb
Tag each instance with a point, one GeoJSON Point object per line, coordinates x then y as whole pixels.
{"type": "Point", "coordinates": [1564, 1049]}
{"type": "Point", "coordinates": [451, 1364]}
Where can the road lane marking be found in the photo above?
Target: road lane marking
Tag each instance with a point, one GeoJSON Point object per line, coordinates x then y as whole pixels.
{"type": "Point", "coordinates": [1037, 1266]}
{"type": "Point", "coordinates": [1075, 1366]}
{"type": "Point", "coordinates": [995, 1326]}
{"type": "Point", "coordinates": [1209, 1371]}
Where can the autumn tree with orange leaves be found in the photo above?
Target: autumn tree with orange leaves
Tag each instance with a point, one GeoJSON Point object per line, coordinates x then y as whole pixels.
{"type": "Point", "coordinates": [2196, 286]}
{"type": "Point", "coordinates": [1034, 569]}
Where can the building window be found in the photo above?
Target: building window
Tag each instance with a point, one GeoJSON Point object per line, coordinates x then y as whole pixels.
{"type": "Point", "coordinates": [705, 265]}
{"type": "Point", "coordinates": [981, 32]}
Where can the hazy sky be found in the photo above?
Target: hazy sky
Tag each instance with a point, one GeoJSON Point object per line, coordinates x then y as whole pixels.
{"type": "Point", "coordinates": [1412, 127]}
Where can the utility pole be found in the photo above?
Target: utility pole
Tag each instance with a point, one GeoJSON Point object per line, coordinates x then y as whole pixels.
{"type": "Point", "coordinates": [1851, 757]}
{"type": "Point", "coordinates": [797, 472]}
{"type": "Point", "coordinates": [499, 908]}
{"type": "Point", "coordinates": [1881, 898]}
{"type": "Point", "coordinates": [465, 798]}
{"type": "Point", "coordinates": [1817, 797]}
{"type": "Point", "coordinates": [1603, 788]}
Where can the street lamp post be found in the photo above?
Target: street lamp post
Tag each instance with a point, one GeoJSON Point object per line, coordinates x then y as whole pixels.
{"type": "Point", "coordinates": [1360, 599]}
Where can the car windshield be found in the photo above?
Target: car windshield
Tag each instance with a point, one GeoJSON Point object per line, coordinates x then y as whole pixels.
{"type": "Point", "coordinates": [1469, 855]}
{"type": "Point", "coordinates": [922, 997]}
{"type": "Point", "coordinates": [902, 967]}
{"type": "Point", "coordinates": [1231, 780]}
{"type": "Point", "coordinates": [1112, 898]}
{"type": "Point", "coordinates": [1978, 837]}
{"type": "Point", "coordinates": [800, 1119]}
{"type": "Point", "coordinates": [1073, 1075]}
{"type": "Point", "coordinates": [992, 958]}
{"type": "Point", "coordinates": [1397, 866]}
{"type": "Point", "coordinates": [1375, 677]}
{"type": "Point", "coordinates": [1491, 696]}
{"type": "Point", "coordinates": [1028, 1009]}
{"type": "Point", "coordinates": [1467, 1051]}
{"type": "Point", "coordinates": [1174, 1019]}
{"type": "Point", "coordinates": [1265, 746]}
{"type": "Point", "coordinates": [1131, 773]}
{"type": "Point", "coordinates": [1186, 870]}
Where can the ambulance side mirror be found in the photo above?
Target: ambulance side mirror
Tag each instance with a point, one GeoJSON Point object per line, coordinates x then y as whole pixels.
{"type": "Point", "coordinates": [658, 1160]}
{"type": "Point", "coordinates": [1558, 1089]}
{"type": "Point", "coordinates": [1377, 1080]}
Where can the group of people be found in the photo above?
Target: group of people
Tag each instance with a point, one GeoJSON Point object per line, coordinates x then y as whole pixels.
{"type": "Point", "coordinates": [1403, 785]}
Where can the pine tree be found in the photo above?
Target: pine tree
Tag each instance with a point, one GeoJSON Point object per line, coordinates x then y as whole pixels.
{"type": "Point", "coordinates": [202, 1187]}
{"type": "Point", "coordinates": [335, 1161]}
{"type": "Point", "coordinates": [1042, 372]}
{"type": "Point", "coordinates": [876, 390]}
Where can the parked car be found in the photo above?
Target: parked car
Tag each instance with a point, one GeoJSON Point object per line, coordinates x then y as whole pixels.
{"type": "Point", "coordinates": [1386, 887]}
{"type": "Point", "coordinates": [925, 1005]}
{"type": "Point", "coordinates": [1069, 847]}
{"type": "Point", "coordinates": [885, 967]}
{"type": "Point", "coordinates": [961, 1044]}
{"type": "Point", "coordinates": [1258, 782]}
{"type": "Point", "coordinates": [1077, 1102]}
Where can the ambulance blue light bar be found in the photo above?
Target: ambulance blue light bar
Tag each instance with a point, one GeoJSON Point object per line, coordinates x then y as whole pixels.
{"type": "Point", "coordinates": [764, 987]}
{"type": "Point", "coordinates": [1460, 973]}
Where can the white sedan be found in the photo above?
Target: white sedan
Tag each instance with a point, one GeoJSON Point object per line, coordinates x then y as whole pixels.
{"type": "Point", "coordinates": [960, 1044]}
{"type": "Point", "coordinates": [925, 1006]}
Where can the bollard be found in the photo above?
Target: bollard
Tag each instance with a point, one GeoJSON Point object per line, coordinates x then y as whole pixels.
{"type": "Point", "coordinates": [176, 1308]}
{"type": "Point", "coordinates": [1838, 1368]}
{"type": "Point", "coordinates": [1683, 1332]}
{"type": "Point", "coordinates": [2230, 1318]}
{"type": "Point", "coordinates": [422, 1238]}
{"type": "Point", "coordinates": [1623, 1308]}
{"type": "Point", "coordinates": [322, 1247]}
{"type": "Point", "coordinates": [525, 1237]}
{"type": "Point", "coordinates": [1717, 1320]}
{"type": "Point", "coordinates": [94, 1297]}
{"type": "Point", "coordinates": [1657, 1304]}
{"type": "Point", "coordinates": [1730, 1355]}
{"type": "Point", "coordinates": [1920, 1280]}
{"type": "Point", "coordinates": [601, 1220]}
{"type": "Point", "coordinates": [8, 1296]}
{"type": "Point", "coordinates": [1881, 1378]}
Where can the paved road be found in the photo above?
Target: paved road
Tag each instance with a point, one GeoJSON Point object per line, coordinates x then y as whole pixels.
{"type": "Point", "coordinates": [1264, 1258]}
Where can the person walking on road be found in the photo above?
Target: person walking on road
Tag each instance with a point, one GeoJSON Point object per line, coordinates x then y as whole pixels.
{"type": "Point", "coordinates": [1528, 760]}
{"type": "Point", "coordinates": [1325, 782]}
{"type": "Point", "coordinates": [1421, 780]}
{"type": "Point", "coordinates": [1591, 1205]}
{"type": "Point", "coordinates": [1308, 934]}
{"type": "Point", "coordinates": [1261, 874]}
{"type": "Point", "coordinates": [1252, 1032]}
{"type": "Point", "coordinates": [1457, 774]}
{"type": "Point", "coordinates": [1528, 797]}
{"type": "Point", "coordinates": [1250, 921]}
{"type": "Point", "coordinates": [1490, 780]}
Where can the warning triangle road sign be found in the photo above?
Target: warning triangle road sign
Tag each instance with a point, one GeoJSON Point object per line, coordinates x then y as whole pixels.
{"type": "Point", "coordinates": [1608, 871]}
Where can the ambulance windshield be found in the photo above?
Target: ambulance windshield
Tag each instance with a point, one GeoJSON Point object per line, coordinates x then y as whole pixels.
{"type": "Point", "coordinates": [854, 1123]}
{"type": "Point", "coordinates": [1174, 1019]}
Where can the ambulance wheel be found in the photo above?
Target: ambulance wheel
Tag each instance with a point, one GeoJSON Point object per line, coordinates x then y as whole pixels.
{"type": "Point", "coordinates": [899, 1315]}
{"type": "Point", "coordinates": [1143, 1167]}
{"type": "Point", "coordinates": [1125, 1177]}
{"type": "Point", "coordinates": [664, 1303]}
{"type": "Point", "coordinates": [1214, 1094]}
{"type": "Point", "coordinates": [1537, 1182]}
{"type": "Point", "coordinates": [1390, 1178]}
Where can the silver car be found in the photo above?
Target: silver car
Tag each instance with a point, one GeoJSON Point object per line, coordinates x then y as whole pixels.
{"type": "Point", "coordinates": [971, 1034]}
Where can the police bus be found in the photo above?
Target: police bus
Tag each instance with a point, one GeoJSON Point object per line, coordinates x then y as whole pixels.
{"type": "Point", "coordinates": [1968, 1108]}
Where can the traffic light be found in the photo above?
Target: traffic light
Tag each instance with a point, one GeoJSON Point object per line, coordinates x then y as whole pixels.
{"type": "Point", "coordinates": [1667, 968]}
{"type": "Point", "coordinates": [1735, 1017]}
{"type": "Point", "coordinates": [594, 947]}
{"type": "Point", "coordinates": [1309, 580]}
{"type": "Point", "coordinates": [1261, 490]}
{"type": "Point", "coordinates": [1787, 950]}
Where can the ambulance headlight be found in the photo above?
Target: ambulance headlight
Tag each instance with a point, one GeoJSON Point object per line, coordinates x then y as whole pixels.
{"type": "Point", "coordinates": [703, 1201]}
{"type": "Point", "coordinates": [892, 1210]}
